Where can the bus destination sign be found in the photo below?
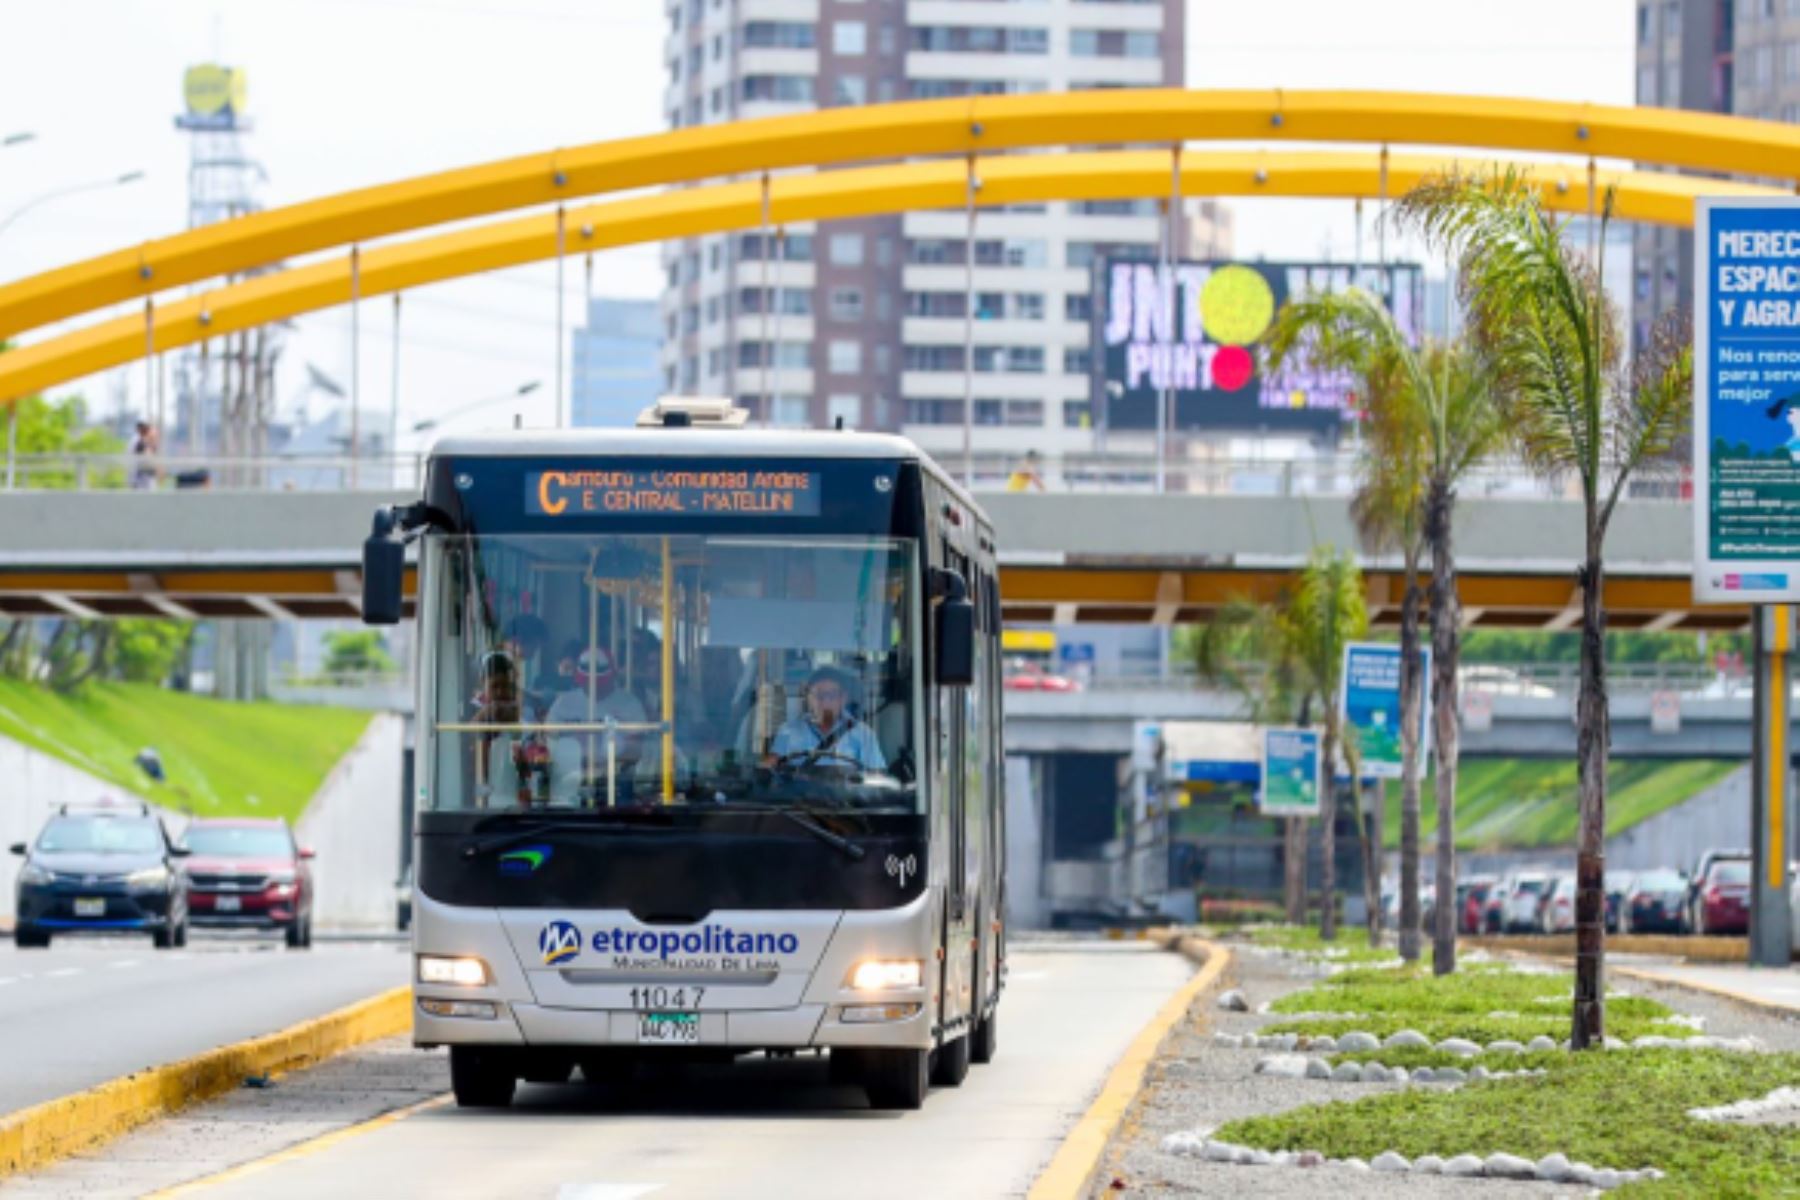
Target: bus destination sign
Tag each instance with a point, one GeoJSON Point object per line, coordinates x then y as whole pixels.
{"type": "Point", "coordinates": [672, 492]}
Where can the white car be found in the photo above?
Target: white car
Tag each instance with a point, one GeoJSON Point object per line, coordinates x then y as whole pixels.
{"type": "Point", "coordinates": [1523, 899]}
{"type": "Point", "coordinates": [1557, 914]}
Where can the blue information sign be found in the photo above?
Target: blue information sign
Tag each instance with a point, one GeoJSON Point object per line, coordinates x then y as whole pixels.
{"type": "Point", "coordinates": [1747, 401]}
{"type": "Point", "coordinates": [1370, 704]}
{"type": "Point", "coordinates": [1290, 773]}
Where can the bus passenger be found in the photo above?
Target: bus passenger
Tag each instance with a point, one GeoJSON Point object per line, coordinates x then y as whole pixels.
{"type": "Point", "coordinates": [826, 732]}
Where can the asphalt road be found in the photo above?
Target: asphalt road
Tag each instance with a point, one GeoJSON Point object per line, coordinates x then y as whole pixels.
{"type": "Point", "coordinates": [765, 1128]}
{"type": "Point", "coordinates": [85, 1011]}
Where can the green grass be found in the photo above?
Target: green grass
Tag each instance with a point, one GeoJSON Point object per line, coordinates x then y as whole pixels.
{"type": "Point", "coordinates": [1524, 803]}
{"type": "Point", "coordinates": [221, 758]}
{"type": "Point", "coordinates": [1352, 945]}
{"type": "Point", "coordinates": [1483, 1002]}
{"type": "Point", "coordinates": [1624, 1111]}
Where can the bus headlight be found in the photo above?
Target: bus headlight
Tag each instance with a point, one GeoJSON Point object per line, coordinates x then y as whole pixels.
{"type": "Point", "coordinates": [462, 972]}
{"type": "Point", "coordinates": [885, 974]}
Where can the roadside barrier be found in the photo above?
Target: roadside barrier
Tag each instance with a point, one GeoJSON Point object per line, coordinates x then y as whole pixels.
{"type": "Point", "coordinates": [58, 1128]}
{"type": "Point", "coordinates": [1069, 1172]}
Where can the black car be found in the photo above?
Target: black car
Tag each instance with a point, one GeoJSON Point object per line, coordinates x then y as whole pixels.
{"type": "Point", "coordinates": [1655, 902]}
{"type": "Point", "coordinates": [101, 871]}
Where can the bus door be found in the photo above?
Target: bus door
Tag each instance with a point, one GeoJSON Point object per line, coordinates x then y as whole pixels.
{"type": "Point", "coordinates": [954, 705]}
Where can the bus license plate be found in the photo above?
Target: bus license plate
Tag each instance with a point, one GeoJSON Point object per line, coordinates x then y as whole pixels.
{"type": "Point", "coordinates": [228, 903]}
{"type": "Point", "coordinates": [95, 907]}
{"type": "Point", "coordinates": [669, 1029]}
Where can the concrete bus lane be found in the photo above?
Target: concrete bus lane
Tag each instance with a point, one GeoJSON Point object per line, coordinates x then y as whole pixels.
{"type": "Point", "coordinates": [772, 1128]}
{"type": "Point", "coordinates": [89, 1010]}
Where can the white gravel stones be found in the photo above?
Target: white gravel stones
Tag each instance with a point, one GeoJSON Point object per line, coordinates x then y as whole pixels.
{"type": "Point", "coordinates": [1509, 1166]}
{"type": "Point", "coordinates": [1325, 1044]}
{"type": "Point", "coordinates": [1552, 1168]}
{"type": "Point", "coordinates": [1478, 1073]}
{"type": "Point", "coordinates": [1347, 1073]}
{"type": "Point", "coordinates": [1375, 1073]}
{"type": "Point", "coordinates": [1428, 1164]}
{"type": "Point", "coordinates": [1233, 1001]}
{"type": "Point", "coordinates": [1606, 1179]}
{"type": "Point", "coordinates": [1184, 1144]}
{"type": "Point", "coordinates": [1464, 1166]}
{"type": "Point", "coordinates": [1283, 1066]}
{"type": "Point", "coordinates": [1462, 1047]}
{"type": "Point", "coordinates": [1260, 1158]}
{"type": "Point", "coordinates": [1356, 1041]}
{"type": "Point", "coordinates": [1449, 1075]}
{"type": "Point", "coordinates": [1781, 1100]}
{"type": "Point", "coordinates": [1389, 1161]}
{"type": "Point", "coordinates": [1407, 1039]}
{"type": "Point", "coordinates": [1355, 1164]}
{"type": "Point", "coordinates": [1505, 1046]}
{"type": "Point", "coordinates": [1540, 1042]}
{"type": "Point", "coordinates": [1218, 1151]}
{"type": "Point", "coordinates": [1401, 1075]}
{"type": "Point", "coordinates": [1227, 1041]}
{"type": "Point", "coordinates": [1318, 1068]}
{"type": "Point", "coordinates": [1309, 1158]}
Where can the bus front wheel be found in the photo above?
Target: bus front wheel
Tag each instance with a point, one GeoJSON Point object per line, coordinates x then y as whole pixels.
{"type": "Point", "coordinates": [897, 1078]}
{"type": "Point", "coordinates": [951, 1066]}
{"type": "Point", "coordinates": [481, 1078]}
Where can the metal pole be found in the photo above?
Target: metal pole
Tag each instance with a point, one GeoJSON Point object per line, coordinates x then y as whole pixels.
{"type": "Point", "coordinates": [1771, 791]}
{"type": "Point", "coordinates": [561, 413]}
{"type": "Point", "coordinates": [196, 445]}
{"type": "Point", "coordinates": [668, 675]}
{"type": "Point", "coordinates": [1381, 232]}
{"type": "Point", "coordinates": [1356, 248]}
{"type": "Point", "coordinates": [769, 348]}
{"type": "Point", "coordinates": [355, 361]}
{"type": "Point", "coordinates": [393, 437]}
{"type": "Point", "coordinates": [763, 245]}
{"type": "Point", "coordinates": [1593, 231]}
{"type": "Point", "coordinates": [1165, 293]}
{"type": "Point", "coordinates": [968, 431]}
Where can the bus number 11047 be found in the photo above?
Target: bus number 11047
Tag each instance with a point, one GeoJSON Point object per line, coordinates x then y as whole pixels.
{"type": "Point", "coordinates": [666, 999]}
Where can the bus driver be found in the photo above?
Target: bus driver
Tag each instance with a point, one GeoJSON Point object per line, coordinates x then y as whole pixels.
{"type": "Point", "coordinates": [826, 732]}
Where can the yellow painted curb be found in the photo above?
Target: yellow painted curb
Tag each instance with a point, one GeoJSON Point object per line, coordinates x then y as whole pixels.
{"type": "Point", "coordinates": [57, 1128]}
{"type": "Point", "coordinates": [1774, 1007]}
{"type": "Point", "coordinates": [1562, 945]}
{"type": "Point", "coordinates": [1067, 1174]}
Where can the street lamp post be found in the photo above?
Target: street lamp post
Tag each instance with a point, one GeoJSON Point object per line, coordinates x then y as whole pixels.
{"type": "Point", "coordinates": [59, 193]}
{"type": "Point", "coordinates": [524, 389]}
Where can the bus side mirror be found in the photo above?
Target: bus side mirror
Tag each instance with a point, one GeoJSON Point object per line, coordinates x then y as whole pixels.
{"type": "Point", "coordinates": [384, 571]}
{"type": "Point", "coordinates": [954, 630]}
{"type": "Point", "coordinates": [956, 643]}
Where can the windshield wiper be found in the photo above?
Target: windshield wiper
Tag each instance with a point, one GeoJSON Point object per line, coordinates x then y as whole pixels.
{"type": "Point", "coordinates": [524, 833]}
{"type": "Point", "coordinates": [806, 820]}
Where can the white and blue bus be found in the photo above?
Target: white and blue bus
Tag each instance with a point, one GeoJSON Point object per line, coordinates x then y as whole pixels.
{"type": "Point", "coordinates": [708, 756]}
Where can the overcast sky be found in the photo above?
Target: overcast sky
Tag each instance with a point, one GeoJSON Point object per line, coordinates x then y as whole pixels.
{"type": "Point", "coordinates": [346, 93]}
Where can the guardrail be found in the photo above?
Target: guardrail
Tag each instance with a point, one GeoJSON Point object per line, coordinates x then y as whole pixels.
{"type": "Point", "coordinates": [1331, 475]}
{"type": "Point", "coordinates": [1540, 680]}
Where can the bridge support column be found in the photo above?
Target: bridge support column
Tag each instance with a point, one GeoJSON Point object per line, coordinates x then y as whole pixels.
{"type": "Point", "coordinates": [1771, 791]}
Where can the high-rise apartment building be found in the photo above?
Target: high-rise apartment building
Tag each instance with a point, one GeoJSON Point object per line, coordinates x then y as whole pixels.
{"type": "Point", "coordinates": [615, 363]}
{"type": "Point", "coordinates": [1725, 56]}
{"type": "Point", "coordinates": [866, 317]}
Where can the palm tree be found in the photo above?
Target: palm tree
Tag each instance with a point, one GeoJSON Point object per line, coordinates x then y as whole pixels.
{"type": "Point", "coordinates": [1286, 659]}
{"type": "Point", "coordinates": [1551, 352]}
{"type": "Point", "coordinates": [1353, 332]}
{"type": "Point", "coordinates": [1428, 420]}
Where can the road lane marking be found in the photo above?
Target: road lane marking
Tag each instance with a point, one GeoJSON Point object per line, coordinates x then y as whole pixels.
{"type": "Point", "coordinates": [299, 1150]}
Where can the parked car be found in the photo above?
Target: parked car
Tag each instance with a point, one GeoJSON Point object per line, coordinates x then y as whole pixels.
{"type": "Point", "coordinates": [1724, 898]}
{"type": "Point", "coordinates": [249, 874]}
{"type": "Point", "coordinates": [1523, 900]}
{"type": "Point", "coordinates": [1557, 912]}
{"type": "Point", "coordinates": [1617, 884]}
{"type": "Point", "coordinates": [1493, 909]}
{"type": "Point", "coordinates": [1472, 903]}
{"type": "Point", "coordinates": [101, 870]}
{"type": "Point", "coordinates": [1032, 677]}
{"type": "Point", "coordinates": [1654, 902]}
{"type": "Point", "coordinates": [1697, 879]}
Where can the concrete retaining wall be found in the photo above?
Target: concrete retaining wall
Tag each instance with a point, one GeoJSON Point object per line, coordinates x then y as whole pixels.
{"type": "Point", "coordinates": [1719, 816]}
{"type": "Point", "coordinates": [353, 824]}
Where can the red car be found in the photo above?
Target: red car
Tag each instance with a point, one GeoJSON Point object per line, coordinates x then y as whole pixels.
{"type": "Point", "coordinates": [249, 874]}
{"type": "Point", "coordinates": [1725, 898]}
{"type": "Point", "coordinates": [1030, 677]}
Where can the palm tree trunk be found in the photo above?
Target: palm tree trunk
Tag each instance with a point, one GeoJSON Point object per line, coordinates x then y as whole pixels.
{"type": "Point", "coordinates": [1294, 869]}
{"type": "Point", "coordinates": [1592, 741]}
{"type": "Point", "coordinates": [1411, 693]}
{"type": "Point", "coordinates": [1328, 827]}
{"type": "Point", "coordinates": [1445, 622]}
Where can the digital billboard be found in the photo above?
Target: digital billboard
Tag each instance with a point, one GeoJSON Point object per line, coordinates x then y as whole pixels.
{"type": "Point", "coordinates": [1198, 328]}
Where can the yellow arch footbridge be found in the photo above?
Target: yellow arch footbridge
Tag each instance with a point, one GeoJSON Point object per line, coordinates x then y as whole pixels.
{"type": "Point", "coordinates": [977, 131]}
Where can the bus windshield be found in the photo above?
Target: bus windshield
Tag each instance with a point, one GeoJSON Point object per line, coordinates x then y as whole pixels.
{"type": "Point", "coordinates": [604, 671]}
